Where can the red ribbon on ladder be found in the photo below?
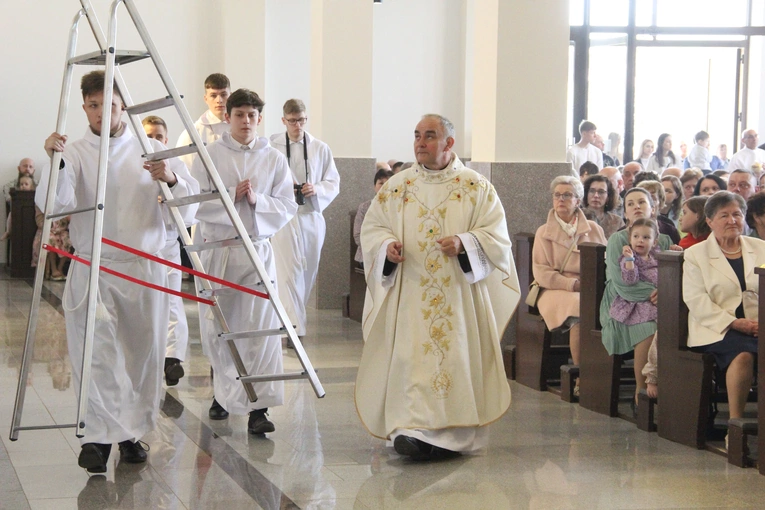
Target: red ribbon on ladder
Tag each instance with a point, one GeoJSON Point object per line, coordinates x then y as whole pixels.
{"type": "Point", "coordinates": [162, 261]}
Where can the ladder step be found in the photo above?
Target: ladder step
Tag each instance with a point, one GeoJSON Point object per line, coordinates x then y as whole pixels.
{"type": "Point", "coordinates": [193, 199]}
{"type": "Point", "coordinates": [67, 213]}
{"type": "Point", "coordinates": [234, 241]}
{"type": "Point", "coordinates": [98, 58]}
{"type": "Point", "coordinates": [225, 291]}
{"type": "Point", "coordinates": [252, 334]}
{"type": "Point", "coordinates": [289, 376]}
{"type": "Point", "coordinates": [150, 106]}
{"type": "Point", "coordinates": [171, 153]}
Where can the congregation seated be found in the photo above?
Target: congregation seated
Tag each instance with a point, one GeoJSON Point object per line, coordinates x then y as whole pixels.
{"type": "Point", "coordinates": [709, 185]}
{"type": "Point", "coordinates": [721, 291]}
{"type": "Point", "coordinates": [694, 222]}
{"type": "Point", "coordinates": [556, 258]}
{"type": "Point", "coordinates": [673, 198]}
{"type": "Point", "coordinates": [587, 169]}
{"type": "Point", "coordinates": [689, 180]}
{"type": "Point", "coordinates": [755, 215]}
{"type": "Point", "coordinates": [381, 177]}
{"type": "Point", "coordinates": [618, 337]}
{"type": "Point", "coordinates": [666, 226]}
{"type": "Point", "coordinates": [599, 201]}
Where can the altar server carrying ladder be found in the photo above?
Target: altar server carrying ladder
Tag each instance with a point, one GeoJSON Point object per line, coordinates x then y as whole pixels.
{"type": "Point", "coordinates": [112, 58]}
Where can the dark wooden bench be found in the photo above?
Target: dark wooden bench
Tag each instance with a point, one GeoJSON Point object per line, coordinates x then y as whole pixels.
{"type": "Point", "coordinates": [685, 377]}
{"type": "Point", "coordinates": [358, 283]}
{"type": "Point", "coordinates": [539, 354]}
{"type": "Point", "coordinates": [600, 375]}
{"type": "Point", "coordinates": [23, 230]}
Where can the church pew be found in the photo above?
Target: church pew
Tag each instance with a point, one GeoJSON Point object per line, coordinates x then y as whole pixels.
{"type": "Point", "coordinates": [23, 230]}
{"type": "Point", "coordinates": [761, 380]}
{"type": "Point", "coordinates": [358, 284]}
{"type": "Point", "coordinates": [685, 377]}
{"type": "Point", "coordinates": [599, 374]}
{"type": "Point", "coordinates": [538, 357]}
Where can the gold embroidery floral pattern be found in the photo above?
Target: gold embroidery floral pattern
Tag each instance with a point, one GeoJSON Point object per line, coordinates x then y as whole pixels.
{"type": "Point", "coordinates": [436, 311]}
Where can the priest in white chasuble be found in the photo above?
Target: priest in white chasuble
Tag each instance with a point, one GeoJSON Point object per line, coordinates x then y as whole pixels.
{"type": "Point", "coordinates": [442, 287]}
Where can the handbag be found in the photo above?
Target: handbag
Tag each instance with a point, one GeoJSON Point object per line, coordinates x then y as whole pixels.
{"type": "Point", "coordinates": [535, 290]}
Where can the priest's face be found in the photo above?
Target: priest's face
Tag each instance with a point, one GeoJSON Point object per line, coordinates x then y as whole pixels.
{"type": "Point", "coordinates": [244, 121]}
{"type": "Point", "coordinates": [432, 148]}
{"type": "Point", "coordinates": [93, 106]}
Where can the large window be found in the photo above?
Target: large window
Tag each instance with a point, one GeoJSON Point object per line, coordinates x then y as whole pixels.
{"type": "Point", "coordinates": [645, 67]}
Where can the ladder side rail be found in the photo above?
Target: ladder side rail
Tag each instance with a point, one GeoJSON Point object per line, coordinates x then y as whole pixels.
{"type": "Point", "coordinates": [98, 226]}
{"type": "Point", "coordinates": [50, 200]}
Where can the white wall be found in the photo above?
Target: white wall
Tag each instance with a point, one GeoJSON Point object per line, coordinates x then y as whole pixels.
{"type": "Point", "coordinates": [417, 69]}
{"type": "Point", "coordinates": [187, 37]}
{"type": "Point", "coordinates": [288, 59]}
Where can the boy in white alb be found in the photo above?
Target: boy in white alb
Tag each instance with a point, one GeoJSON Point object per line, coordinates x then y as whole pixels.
{"type": "Point", "coordinates": [178, 328]}
{"type": "Point", "coordinates": [298, 245]}
{"type": "Point", "coordinates": [258, 180]}
{"type": "Point", "coordinates": [212, 123]}
{"type": "Point", "coordinates": [584, 150]}
{"type": "Point", "coordinates": [129, 345]}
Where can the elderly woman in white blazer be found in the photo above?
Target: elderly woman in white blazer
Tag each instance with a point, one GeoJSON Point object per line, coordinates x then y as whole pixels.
{"type": "Point", "coordinates": [721, 291]}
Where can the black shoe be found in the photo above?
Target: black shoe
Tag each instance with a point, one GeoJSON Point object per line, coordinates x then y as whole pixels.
{"type": "Point", "coordinates": [217, 412]}
{"type": "Point", "coordinates": [93, 457]}
{"type": "Point", "coordinates": [173, 371]}
{"type": "Point", "coordinates": [420, 450]}
{"type": "Point", "coordinates": [133, 452]}
{"type": "Point", "coordinates": [258, 423]}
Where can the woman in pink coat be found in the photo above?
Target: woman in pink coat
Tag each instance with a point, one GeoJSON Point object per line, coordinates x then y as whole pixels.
{"type": "Point", "coordinates": [566, 224]}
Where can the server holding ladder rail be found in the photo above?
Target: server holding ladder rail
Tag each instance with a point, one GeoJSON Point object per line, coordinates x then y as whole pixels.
{"type": "Point", "coordinates": [131, 323]}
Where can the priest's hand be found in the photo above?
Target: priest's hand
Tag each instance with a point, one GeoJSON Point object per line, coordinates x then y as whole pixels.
{"type": "Point", "coordinates": [308, 190]}
{"type": "Point", "coordinates": [244, 190]}
{"type": "Point", "coordinates": [55, 143]}
{"type": "Point", "coordinates": [450, 246]}
{"type": "Point", "coordinates": [160, 171]}
{"type": "Point", "coordinates": [394, 252]}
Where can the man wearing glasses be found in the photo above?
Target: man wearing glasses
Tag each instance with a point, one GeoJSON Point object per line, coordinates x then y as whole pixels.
{"type": "Point", "coordinates": [297, 246]}
{"type": "Point", "coordinates": [749, 155]}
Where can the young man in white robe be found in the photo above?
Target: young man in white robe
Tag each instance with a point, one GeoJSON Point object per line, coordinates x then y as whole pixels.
{"type": "Point", "coordinates": [442, 287]}
{"type": "Point", "coordinates": [258, 180]}
{"type": "Point", "coordinates": [129, 342]}
{"type": "Point", "coordinates": [177, 328]}
{"type": "Point", "coordinates": [584, 150]}
{"type": "Point", "coordinates": [298, 245]}
{"type": "Point", "coordinates": [211, 124]}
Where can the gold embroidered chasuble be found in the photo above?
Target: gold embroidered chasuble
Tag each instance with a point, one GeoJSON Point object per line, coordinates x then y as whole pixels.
{"type": "Point", "coordinates": [432, 356]}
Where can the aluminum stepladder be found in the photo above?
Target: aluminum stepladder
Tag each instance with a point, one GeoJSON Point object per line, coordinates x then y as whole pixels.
{"type": "Point", "coordinates": [112, 58]}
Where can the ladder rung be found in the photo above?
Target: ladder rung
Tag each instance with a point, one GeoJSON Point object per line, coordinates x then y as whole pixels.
{"type": "Point", "coordinates": [67, 213]}
{"type": "Point", "coordinates": [171, 153]}
{"type": "Point", "coordinates": [289, 376]}
{"type": "Point", "coordinates": [223, 291]}
{"type": "Point", "coordinates": [252, 334]}
{"type": "Point", "coordinates": [234, 241]}
{"type": "Point", "coordinates": [98, 58]}
{"type": "Point", "coordinates": [47, 427]}
{"type": "Point", "coordinates": [193, 199]}
{"type": "Point", "coordinates": [150, 106]}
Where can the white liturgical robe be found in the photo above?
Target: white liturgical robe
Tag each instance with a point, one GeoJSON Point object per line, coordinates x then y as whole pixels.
{"type": "Point", "coordinates": [432, 364]}
{"type": "Point", "coordinates": [298, 245]}
{"type": "Point", "coordinates": [129, 343]}
{"type": "Point", "coordinates": [209, 127]}
{"type": "Point", "coordinates": [745, 158]}
{"type": "Point", "coordinates": [275, 205]}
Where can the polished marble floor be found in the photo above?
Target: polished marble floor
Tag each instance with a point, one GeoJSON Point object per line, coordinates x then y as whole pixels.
{"type": "Point", "coordinates": [543, 454]}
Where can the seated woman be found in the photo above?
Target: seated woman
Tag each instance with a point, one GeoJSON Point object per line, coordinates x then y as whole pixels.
{"type": "Point", "coordinates": [381, 177]}
{"type": "Point", "coordinates": [693, 222]}
{"type": "Point", "coordinates": [620, 338]}
{"type": "Point", "coordinates": [709, 185]}
{"type": "Point", "coordinates": [598, 201]}
{"type": "Point", "coordinates": [673, 195]}
{"type": "Point", "coordinates": [689, 180]}
{"type": "Point", "coordinates": [657, 194]}
{"type": "Point", "coordinates": [755, 215]}
{"type": "Point", "coordinates": [721, 291]}
{"type": "Point", "coordinates": [566, 227]}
